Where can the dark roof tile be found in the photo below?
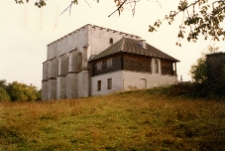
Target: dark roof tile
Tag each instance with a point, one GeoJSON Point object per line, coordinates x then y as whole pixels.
{"type": "Point", "coordinates": [132, 46]}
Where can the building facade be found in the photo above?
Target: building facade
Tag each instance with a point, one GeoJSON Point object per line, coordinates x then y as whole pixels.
{"type": "Point", "coordinates": [94, 60]}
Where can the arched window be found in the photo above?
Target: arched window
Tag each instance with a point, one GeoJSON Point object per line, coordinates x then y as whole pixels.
{"type": "Point", "coordinates": [156, 66]}
{"type": "Point", "coordinates": [111, 41]}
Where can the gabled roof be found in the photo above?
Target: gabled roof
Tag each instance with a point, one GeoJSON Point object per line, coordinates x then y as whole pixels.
{"type": "Point", "coordinates": [133, 47]}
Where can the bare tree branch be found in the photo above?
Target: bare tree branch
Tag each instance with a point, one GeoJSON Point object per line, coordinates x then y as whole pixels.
{"type": "Point", "coordinates": [88, 3]}
{"type": "Point", "coordinates": [69, 7]}
{"type": "Point", "coordinates": [118, 9]}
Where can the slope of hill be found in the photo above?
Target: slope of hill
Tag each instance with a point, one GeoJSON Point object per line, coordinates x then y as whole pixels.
{"type": "Point", "coordinates": [140, 120]}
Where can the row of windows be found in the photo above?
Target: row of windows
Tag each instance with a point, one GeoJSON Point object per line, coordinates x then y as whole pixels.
{"type": "Point", "coordinates": [109, 64]}
{"type": "Point", "coordinates": [109, 84]}
{"type": "Point", "coordinates": [99, 64]}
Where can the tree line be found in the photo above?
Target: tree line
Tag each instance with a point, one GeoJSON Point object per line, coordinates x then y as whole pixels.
{"type": "Point", "coordinates": [15, 91]}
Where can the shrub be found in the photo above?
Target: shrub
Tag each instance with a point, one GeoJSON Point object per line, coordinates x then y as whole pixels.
{"type": "Point", "coordinates": [4, 95]}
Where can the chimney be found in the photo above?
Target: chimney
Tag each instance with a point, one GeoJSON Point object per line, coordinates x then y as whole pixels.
{"type": "Point", "coordinates": [142, 43]}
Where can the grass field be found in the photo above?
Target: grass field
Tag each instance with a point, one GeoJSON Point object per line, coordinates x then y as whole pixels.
{"type": "Point", "coordinates": [140, 120]}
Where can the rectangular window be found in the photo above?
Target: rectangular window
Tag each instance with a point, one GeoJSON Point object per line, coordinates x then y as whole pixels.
{"type": "Point", "coordinates": [156, 66]}
{"type": "Point", "coordinates": [99, 85]}
{"type": "Point", "coordinates": [109, 62]}
{"type": "Point", "coordinates": [99, 65]}
{"type": "Point", "coordinates": [109, 84]}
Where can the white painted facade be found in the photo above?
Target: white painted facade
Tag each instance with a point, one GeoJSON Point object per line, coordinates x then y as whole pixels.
{"type": "Point", "coordinates": [66, 72]}
{"type": "Point", "coordinates": [117, 83]}
{"type": "Point", "coordinates": [129, 80]}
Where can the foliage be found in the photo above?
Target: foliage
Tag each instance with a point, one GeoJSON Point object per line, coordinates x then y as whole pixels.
{"type": "Point", "coordinates": [16, 91]}
{"type": "Point", "coordinates": [3, 95]}
{"type": "Point", "coordinates": [136, 120]}
{"type": "Point", "coordinates": [203, 18]}
{"type": "Point", "coordinates": [199, 70]}
{"type": "Point", "coordinates": [21, 92]}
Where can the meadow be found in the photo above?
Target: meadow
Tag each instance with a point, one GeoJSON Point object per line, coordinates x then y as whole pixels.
{"type": "Point", "coordinates": [135, 120]}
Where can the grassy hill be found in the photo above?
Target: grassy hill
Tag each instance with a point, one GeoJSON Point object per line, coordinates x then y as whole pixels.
{"type": "Point", "coordinates": [140, 120]}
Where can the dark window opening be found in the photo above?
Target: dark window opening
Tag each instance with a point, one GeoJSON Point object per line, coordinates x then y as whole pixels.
{"type": "Point", "coordinates": [156, 66]}
{"type": "Point", "coordinates": [111, 41]}
{"type": "Point", "coordinates": [109, 84]}
{"type": "Point", "coordinates": [99, 85]}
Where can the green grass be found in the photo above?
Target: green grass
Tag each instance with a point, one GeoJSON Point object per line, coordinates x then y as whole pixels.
{"type": "Point", "coordinates": [139, 120]}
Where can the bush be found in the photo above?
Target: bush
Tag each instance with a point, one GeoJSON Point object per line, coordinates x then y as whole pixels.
{"type": "Point", "coordinates": [4, 97]}
{"type": "Point", "coordinates": [16, 91]}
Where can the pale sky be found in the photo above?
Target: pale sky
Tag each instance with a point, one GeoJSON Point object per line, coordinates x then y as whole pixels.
{"type": "Point", "coordinates": [25, 31]}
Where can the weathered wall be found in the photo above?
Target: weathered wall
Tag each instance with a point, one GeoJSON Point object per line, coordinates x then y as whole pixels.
{"type": "Point", "coordinates": [116, 65]}
{"type": "Point", "coordinates": [51, 89]}
{"type": "Point", "coordinates": [167, 67]}
{"type": "Point", "coordinates": [117, 84]}
{"type": "Point", "coordinates": [83, 84]}
{"type": "Point", "coordinates": [66, 57]}
{"type": "Point", "coordinates": [75, 40]}
{"type": "Point", "coordinates": [61, 88]}
{"type": "Point", "coordinates": [137, 63]}
{"type": "Point", "coordinates": [44, 92]}
{"type": "Point", "coordinates": [99, 38]}
{"type": "Point", "coordinates": [45, 70]}
{"type": "Point", "coordinates": [135, 80]}
{"type": "Point", "coordinates": [71, 85]}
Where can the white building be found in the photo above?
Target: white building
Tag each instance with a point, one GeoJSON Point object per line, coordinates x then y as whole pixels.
{"type": "Point", "coordinates": [95, 61]}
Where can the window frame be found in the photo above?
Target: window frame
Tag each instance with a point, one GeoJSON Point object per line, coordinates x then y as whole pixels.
{"type": "Point", "coordinates": [156, 66]}
{"type": "Point", "coordinates": [109, 83]}
{"type": "Point", "coordinates": [99, 84]}
{"type": "Point", "coordinates": [109, 62]}
{"type": "Point", "coordinates": [99, 65]}
{"type": "Point", "coordinates": [111, 41]}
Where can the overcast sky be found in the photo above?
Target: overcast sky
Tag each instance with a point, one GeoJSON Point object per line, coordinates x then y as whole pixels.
{"type": "Point", "coordinates": [25, 30]}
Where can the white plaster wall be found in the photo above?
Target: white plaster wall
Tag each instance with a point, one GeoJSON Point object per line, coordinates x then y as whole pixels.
{"type": "Point", "coordinates": [83, 84]}
{"type": "Point", "coordinates": [51, 89]}
{"type": "Point", "coordinates": [77, 39]}
{"type": "Point", "coordinates": [136, 80]}
{"type": "Point", "coordinates": [61, 88]}
{"type": "Point", "coordinates": [117, 83]}
{"type": "Point", "coordinates": [44, 92]}
{"type": "Point", "coordinates": [45, 70]}
{"type": "Point", "coordinates": [71, 85]}
{"type": "Point", "coordinates": [99, 38]}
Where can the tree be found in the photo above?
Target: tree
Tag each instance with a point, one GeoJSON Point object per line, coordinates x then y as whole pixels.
{"type": "Point", "coordinates": [199, 71]}
{"type": "Point", "coordinates": [3, 93]}
{"type": "Point", "coordinates": [202, 17]}
{"type": "Point", "coordinates": [21, 92]}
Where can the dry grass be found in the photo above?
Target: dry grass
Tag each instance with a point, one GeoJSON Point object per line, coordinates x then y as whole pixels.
{"type": "Point", "coordinates": [123, 121]}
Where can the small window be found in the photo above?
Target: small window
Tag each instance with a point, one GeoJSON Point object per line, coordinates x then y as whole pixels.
{"type": "Point", "coordinates": [156, 66]}
{"type": "Point", "coordinates": [99, 85]}
{"type": "Point", "coordinates": [109, 62]}
{"type": "Point", "coordinates": [111, 41]}
{"type": "Point", "coordinates": [99, 65]}
{"type": "Point", "coordinates": [109, 84]}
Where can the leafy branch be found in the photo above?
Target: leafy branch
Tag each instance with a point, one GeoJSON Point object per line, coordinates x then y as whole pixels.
{"type": "Point", "coordinates": [206, 21]}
